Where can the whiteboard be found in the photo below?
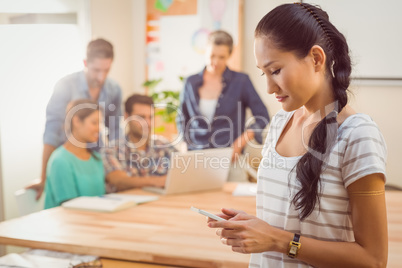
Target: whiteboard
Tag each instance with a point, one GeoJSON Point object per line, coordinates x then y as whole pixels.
{"type": "Point", "coordinates": [373, 30]}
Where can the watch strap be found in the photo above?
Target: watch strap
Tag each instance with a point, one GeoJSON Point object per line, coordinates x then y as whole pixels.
{"type": "Point", "coordinates": [294, 246]}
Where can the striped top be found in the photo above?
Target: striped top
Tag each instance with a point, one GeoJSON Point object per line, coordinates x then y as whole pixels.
{"type": "Point", "coordinates": [360, 150]}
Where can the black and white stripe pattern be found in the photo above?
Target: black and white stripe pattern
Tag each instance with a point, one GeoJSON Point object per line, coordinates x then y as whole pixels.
{"type": "Point", "coordinates": [360, 150]}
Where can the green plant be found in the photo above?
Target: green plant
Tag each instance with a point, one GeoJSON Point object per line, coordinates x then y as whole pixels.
{"type": "Point", "coordinates": [166, 102]}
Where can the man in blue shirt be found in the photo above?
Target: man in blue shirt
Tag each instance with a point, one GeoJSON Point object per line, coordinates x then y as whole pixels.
{"type": "Point", "coordinates": [91, 83]}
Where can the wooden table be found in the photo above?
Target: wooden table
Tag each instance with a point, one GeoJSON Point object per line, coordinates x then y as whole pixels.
{"type": "Point", "coordinates": [112, 263]}
{"type": "Point", "coordinates": [163, 232]}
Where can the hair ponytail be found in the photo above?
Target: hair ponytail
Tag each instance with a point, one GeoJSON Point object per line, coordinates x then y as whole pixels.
{"type": "Point", "coordinates": [341, 69]}
{"type": "Point", "coordinates": [297, 28]}
{"type": "Point", "coordinates": [310, 165]}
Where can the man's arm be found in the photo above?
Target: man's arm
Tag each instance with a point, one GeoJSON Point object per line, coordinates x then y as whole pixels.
{"type": "Point", "coordinates": [115, 170]}
{"type": "Point", "coordinates": [121, 181]}
{"type": "Point", "coordinates": [39, 186]}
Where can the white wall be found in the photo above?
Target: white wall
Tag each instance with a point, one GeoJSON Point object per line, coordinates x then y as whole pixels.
{"type": "Point", "coordinates": [2, 248]}
{"type": "Point", "coordinates": [117, 21]}
{"type": "Point", "coordinates": [26, 86]}
{"type": "Point", "coordinates": [122, 22]}
{"type": "Point", "coordinates": [113, 20]}
{"type": "Point", "coordinates": [33, 57]}
{"type": "Point", "coordinates": [139, 53]}
{"type": "Point", "coordinates": [381, 102]}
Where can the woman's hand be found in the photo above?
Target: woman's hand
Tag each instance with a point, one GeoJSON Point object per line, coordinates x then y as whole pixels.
{"type": "Point", "coordinates": [243, 232]}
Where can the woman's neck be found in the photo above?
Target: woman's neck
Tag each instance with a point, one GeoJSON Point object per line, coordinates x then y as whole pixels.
{"type": "Point", "coordinates": [322, 103]}
{"type": "Point", "coordinates": [214, 73]}
{"type": "Point", "coordinates": [78, 151]}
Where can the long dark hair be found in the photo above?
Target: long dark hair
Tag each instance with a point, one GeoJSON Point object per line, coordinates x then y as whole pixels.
{"type": "Point", "coordinates": [297, 28]}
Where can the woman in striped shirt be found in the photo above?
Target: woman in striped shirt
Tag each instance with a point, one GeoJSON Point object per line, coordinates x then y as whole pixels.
{"type": "Point", "coordinates": [320, 199]}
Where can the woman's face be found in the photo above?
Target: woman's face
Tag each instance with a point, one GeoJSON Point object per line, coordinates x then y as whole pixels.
{"type": "Point", "coordinates": [294, 81]}
{"type": "Point", "coordinates": [87, 130]}
{"type": "Point", "coordinates": [217, 57]}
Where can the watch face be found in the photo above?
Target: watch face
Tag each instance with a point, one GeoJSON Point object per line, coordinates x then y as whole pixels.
{"type": "Point", "coordinates": [293, 250]}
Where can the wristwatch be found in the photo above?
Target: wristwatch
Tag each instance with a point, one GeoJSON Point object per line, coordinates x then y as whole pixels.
{"type": "Point", "coordinates": [294, 246]}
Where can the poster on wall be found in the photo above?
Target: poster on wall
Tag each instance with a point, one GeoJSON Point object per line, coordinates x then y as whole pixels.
{"type": "Point", "coordinates": [220, 14]}
{"type": "Point", "coordinates": [177, 33]}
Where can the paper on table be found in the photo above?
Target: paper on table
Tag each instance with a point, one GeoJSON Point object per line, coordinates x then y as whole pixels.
{"type": "Point", "coordinates": [14, 259]}
{"type": "Point", "coordinates": [76, 258]}
{"type": "Point", "coordinates": [245, 189]}
{"type": "Point", "coordinates": [31, 261]}
{"type": "Point", "coordinates": [139, 199]}
{"type": "Point", "coordinates": [99, 203]}
{"type": "Point", "coordinates": [108, 202]}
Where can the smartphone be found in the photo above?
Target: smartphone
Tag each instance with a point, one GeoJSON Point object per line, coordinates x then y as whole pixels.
{"type": "Point", "coordinates": [209, 215]}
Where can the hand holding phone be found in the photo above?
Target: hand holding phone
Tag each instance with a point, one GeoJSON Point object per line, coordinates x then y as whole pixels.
{"type": "Point", "coordinates": [209, 215]}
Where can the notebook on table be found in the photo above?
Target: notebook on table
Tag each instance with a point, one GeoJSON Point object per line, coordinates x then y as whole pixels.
{"type": "Point", "coordinates": [108, 202]}
{"type": "Point", "coordinates": [194, 171]}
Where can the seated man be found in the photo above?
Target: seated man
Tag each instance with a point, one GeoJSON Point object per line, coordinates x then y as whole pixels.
{"type": "Point", "coordinates": [140, 159]}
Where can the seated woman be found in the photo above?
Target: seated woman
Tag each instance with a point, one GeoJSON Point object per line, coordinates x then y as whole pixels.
{"type": "Point", "coordinates": [74, 169]}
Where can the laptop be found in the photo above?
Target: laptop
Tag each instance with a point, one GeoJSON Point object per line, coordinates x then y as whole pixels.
{"type": "Point", "coordinates": [194, 171]}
